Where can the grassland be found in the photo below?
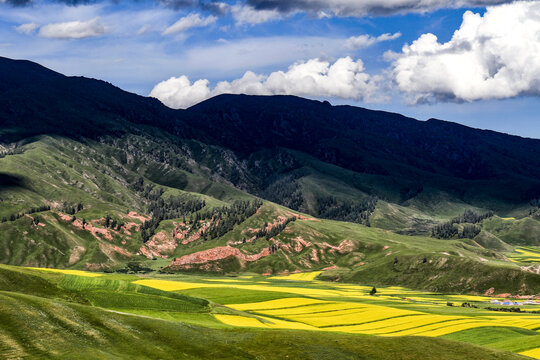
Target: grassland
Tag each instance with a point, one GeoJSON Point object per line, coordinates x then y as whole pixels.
{"type": "Point", "coordinates": [55, 171]}
{"type": "Point", "coordinates": [151, 294]}
{"type": "Point", "coordinates": [248, 316]}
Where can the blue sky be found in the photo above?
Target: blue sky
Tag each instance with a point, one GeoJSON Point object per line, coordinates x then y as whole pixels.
{"type": "Point", "coordinates": [473, 62]}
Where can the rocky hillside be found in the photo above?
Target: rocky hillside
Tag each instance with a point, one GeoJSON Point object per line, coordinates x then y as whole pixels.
{"type": "Point", "coordinates": [92, 177]}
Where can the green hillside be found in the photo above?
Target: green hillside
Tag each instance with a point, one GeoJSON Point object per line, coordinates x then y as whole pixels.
{"type": "Point", "coordinates": [257, 227]}
{"type": "Point", "coordinates": [117, 187]}
{"type": "Point", "coordinates": [111, 317]}
{"type": "Point", "coordinates": [130, 186]}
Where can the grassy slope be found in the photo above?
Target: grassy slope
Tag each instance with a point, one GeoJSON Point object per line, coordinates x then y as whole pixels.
{"type": "Point", "coordinates": [52, 171]}
{"type": "Point", "coordinates": [524, 231]}
{"type": "Point", "coordinates": [45, 325]}
{"type": "Point", "coordinates": [55, 170]}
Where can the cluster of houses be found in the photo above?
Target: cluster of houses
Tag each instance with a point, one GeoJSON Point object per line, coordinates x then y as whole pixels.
{"type": "Point", "coordinates": [514, 303]}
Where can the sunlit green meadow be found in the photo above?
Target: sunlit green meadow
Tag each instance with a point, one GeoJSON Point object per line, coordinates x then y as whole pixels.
{"type": "Point", "coordinates": [300, 302]}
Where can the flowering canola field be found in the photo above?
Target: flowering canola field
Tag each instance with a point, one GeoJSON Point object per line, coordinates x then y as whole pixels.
{"type": "Point", "coordinates": [309, 304]}
{"type": "Point", "coordinates": [526, 254]}
{"type": "Point", "coordinates": [68, 272]}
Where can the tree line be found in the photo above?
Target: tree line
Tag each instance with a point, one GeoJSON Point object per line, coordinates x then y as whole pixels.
{"type": "Point", "coordinates": [20, 214]}
{"type": "Point", "coordinates": [275, 230]}
{"type": "Point", "coordinates": [71, 209]}
{"type": "Point", "coordinates": [329, 207]}
{"type": "Point", "coordinates": [535, 207]}
{"type": "Point", "coordinates": [223, 219]}
{"type": "Point", "coordinates": [113, 223]}
{"type": "Point", "coordinates": [470, 230]}
{"type": "Point", "coordinates": [174, 207]}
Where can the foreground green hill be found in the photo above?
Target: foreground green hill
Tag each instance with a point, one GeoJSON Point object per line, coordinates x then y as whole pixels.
{"type": "Point", "coordinates": [51, 315]}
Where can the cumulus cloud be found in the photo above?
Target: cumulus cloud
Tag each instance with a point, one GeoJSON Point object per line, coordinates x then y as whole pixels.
{"type": "Point", "coordinates": [245, 14]}
{"type": "Point", "coordinates": [73, 29]}
{"type": "Point", "coordinates": [189, 21]}
{"type": "Point", "coordinates": [345, 79]}
{"type": "Point", "coordinates": [364, 41]}
{"type": "Point", "coordinates": [27, 28]}
{"type": "Point", "coordinates": [366, 7]}
{"type": "Point", "coordinates": [493, 56]}
{"type": "Point", "coordinates": [179, 92]}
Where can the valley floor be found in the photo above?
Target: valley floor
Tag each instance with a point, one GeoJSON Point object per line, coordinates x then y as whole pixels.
{"type": "Point", "coordinates": [47, 313]}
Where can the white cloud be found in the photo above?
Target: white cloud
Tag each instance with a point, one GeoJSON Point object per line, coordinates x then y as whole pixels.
{"type": "Point", "coordinates": [245, 14]}
{"type": "Point", "coordinates": [344, 79]}
{"type": "Point", "coordinates": [27, 28]}
{"type": "Point", "coordinates": [74, 29]}
{"type": "Point", "coordinates": [364, 41]}
{"type": "Point", "coordinates": [188, 22]}
{"type": "Point", "coordinates": [179, 92]}
{"type": "Point", "coordinates": [493, 56]}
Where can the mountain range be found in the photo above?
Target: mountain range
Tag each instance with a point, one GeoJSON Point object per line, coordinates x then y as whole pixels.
{"type": "Point", "coordinates": [94, 177]}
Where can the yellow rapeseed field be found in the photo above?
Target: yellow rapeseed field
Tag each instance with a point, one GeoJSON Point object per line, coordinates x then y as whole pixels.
{"type": "Point", "coordinates": [348, 308]}
{"type": "Point", "coordinates": [458, 327]}
{"type": "Point", "coordinates": [225, 280]}
{"type": "Point", "coordinates": [526, 254]}
{"type": "Point", "coordinates": [304, 276]}
{"type": "Point", "coordinates": [396, 324]}
{"type": "Point", "coordinates": [167, 285]}
{"type": "Point", "coordinates": [68, 272]}
{"type": "Point", "coordinates": [277, 304]}
{"type": "Point", "coordinates": [348, 319]}
{"type": "Point", "coordinates": [373, 319]}
{"type": "Point", "coordinates": [518, 321]}
{"type": "Point", "coordinates": [322, 310]}
{"type": "Point", "coordinates": [468, 298]}
{"type": "Point", "coordinates": [236, 320]}
{"type": "Point", "coordinates": [534, 353]}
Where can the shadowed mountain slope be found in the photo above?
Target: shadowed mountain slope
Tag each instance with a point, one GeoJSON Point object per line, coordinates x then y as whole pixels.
{"type": "Point", "coordinates": [414, 154]}
{"type": "Point", "coordinates": [375, 142]}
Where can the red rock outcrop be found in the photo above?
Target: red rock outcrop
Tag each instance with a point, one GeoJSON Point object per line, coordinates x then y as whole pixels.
{"type": "Point", "coordinates": [104, 233]}
{"type": "Point", "coordinates": [197, 235]}
{"type": "Point", "coordinates": [300, 243]}
{"type": "Point", "coordinates": [131, 225]}
{"type": "Point", "coordinates": [141, 218]}
{"type": "Point", "coordinates": [218, 253]}
{"type": "Point", "coordinates": [331, 267]}
{"type": "Point", "coordinates": [160, 245]}
{"type": "Point", "coordinates": [302, 217]}
{"type": "Point", "coordinates": [344, 247]}
{"type": "Point", "coordinates": [314, 255]}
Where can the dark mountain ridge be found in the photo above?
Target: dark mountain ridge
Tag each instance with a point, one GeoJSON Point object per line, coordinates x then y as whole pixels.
{"type": "Point", "coordinates": [345, 135]}
{"type": "Point", "coordinates": [437, 154]}
{"type": "Point", "coordinates": [35, 100]}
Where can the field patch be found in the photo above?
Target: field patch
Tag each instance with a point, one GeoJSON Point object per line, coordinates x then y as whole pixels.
{"type": "Point", "coordinates": [534, 353]}
{"type": "Point", "coordinates": [274, 303]}
{"type": "Point", "coordinates": [303, 276]}
{"type": "Point", "coordinates": [69, 272]}
{"type": "Point", "coordinates": [526, 254]}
